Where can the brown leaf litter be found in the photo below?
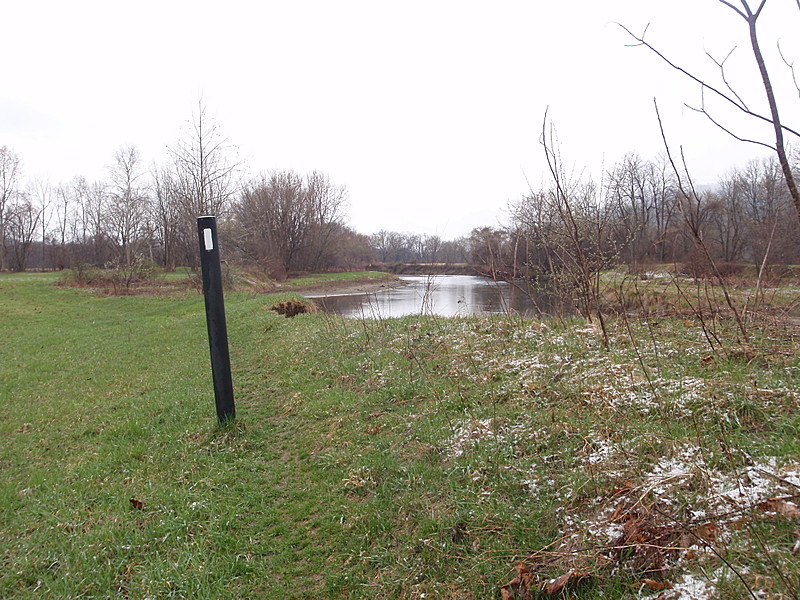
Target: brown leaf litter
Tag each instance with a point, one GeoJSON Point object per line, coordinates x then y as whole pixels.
{"type": "Point", "coordinates": [649, 543]}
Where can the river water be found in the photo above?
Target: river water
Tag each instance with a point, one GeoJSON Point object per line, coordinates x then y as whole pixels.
{"type": "Point", "coordinates": [443, 295]}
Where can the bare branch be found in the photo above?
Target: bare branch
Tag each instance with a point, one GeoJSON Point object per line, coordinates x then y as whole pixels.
{"type": "Point", "coordinates": [695, 195]}
{"type": "Point", "coordinates": [694, 225]}
{"type": "Point", "coordinates": [721, 66]}
{"type": "Point", "coordinates": [727, 98]}
{"type": "Point", "coordinates": [703, 111]}
{"type": "Point", "coordinates": [741, 14]}
{"type": "Point", "coordinates": [788, 64]}
{"type": "Point", "coordinates": [747, 9]}
{"type": "Point", "coordinates": [780, 147]}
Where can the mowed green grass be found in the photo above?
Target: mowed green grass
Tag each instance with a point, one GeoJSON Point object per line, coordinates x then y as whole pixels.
{"type": "Point", "coordinates": [409, 458]}
{"type": "Point", "coordinates": [107, 399]}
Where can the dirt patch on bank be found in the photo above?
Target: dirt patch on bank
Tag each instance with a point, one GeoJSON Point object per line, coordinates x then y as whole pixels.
{"type": "Point", "coordinates": [349, 289]}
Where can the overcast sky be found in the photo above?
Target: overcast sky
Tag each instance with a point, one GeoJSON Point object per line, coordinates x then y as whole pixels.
{"type": "Point", "coordinates": [429, 112]}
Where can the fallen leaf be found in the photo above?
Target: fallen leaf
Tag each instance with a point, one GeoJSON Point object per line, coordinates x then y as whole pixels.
{"type": "Point", "coordinates": [686, 540]}
{"type": "Point", "coordinates": [622, 514]}
{"type": "Point", "coordinates": [707, 360]}
{"type": "Point", "coordinates": [137, 504]}
{"type": "Point", "coordinates": [554, 586]}
{"type": "Point", "coordinates": [622, 488]}
{"type": "Point", "coordinates": [520, 586]}
{"type": "Point", "coordinates": [707, 531]}
{"type": "Point", "coordinates": [657, 586]}
{"type": "Point", "coordinates": [557, 585]}
{"type": "Point", "coordinates": [780, 507]}
{"type": "Point", "coordinates": [634, 531]}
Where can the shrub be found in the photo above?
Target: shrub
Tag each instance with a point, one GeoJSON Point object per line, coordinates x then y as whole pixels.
{"type": "Point", "coordinates": [116, 276]}
{"type": "Point", "coordinates": [82, 274]}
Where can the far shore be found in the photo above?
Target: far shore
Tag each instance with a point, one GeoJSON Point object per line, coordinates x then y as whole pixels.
{"type": "Point", "coordinates": [347, 288]}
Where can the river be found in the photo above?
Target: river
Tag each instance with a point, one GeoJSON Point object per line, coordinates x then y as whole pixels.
{"type": "Point", "coordinates": [443, 295]}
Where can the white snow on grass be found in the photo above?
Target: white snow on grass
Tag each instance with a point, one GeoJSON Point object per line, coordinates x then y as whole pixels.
{"type": "Point", "coordinates": [687, 587]}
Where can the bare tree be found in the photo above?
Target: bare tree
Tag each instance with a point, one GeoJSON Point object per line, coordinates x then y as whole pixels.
{"type": "Point", "coordinates": [453, 251]}
{"type": "Point", "coordinates": [690, 205]}
{"type": "Point", "coordinates": [126, 213]}
{"type": "Point", "coordinates": [726, 219]}
{"type": "Point", "coordinates": [287, 222]}
{"type": "Point", "coordinates": [392, 246]}
{"type": "Point", "coordinates": [583, 222]}
{"type": "Point", "coordinates": [166, 214]}
{"type": "Point", "coordinates": [80, 221]}
{"type": "Point", "coordinates": [42, 194]}
{"type": "Point", "coordinates": [641, 195]}
{"type": "Point", "coordinates": [204, 175]}
{"type": "Point", "coordinates": [23, 222]}
{"type": "Point", "coordinates": [491, 252]}
{"type": "Point", "coordinates": [9, 180]}
{"type": "Point", "coordinates": [767, 212]}
{"type": "Point", "coordinates": [389, 246]}
{"type": "Point", "coordinates": [345, 249]}
{"type": "Point", "coordinates": [62, 213]}
{"type": "Point", "coordinates": [327, 204]}
{"type": "Point", "coordinates": [272, 220]}
{"type": "Point", "coordinates": [96, 202]}
{"type": "Point", "coordinates": [628, 191]}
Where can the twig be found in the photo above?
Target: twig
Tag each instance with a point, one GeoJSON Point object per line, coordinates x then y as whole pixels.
{"type": "Point", "coordinates": [712, 549]}
{"type": "Point", "coordinates": [641, 42]}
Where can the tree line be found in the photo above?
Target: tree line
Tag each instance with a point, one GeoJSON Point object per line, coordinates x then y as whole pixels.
{"type": "Point", "coordinates": [279, 221]}
{"type": "Point", "coordinates": [287, 222]}
{"type": "Point", "coordinates": [283, 221]}
{"type": "Point", "coordinates": [638, 216]}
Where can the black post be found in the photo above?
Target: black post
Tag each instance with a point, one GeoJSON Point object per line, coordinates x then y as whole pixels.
{"type": "Point", "coordinates": [215, 318]}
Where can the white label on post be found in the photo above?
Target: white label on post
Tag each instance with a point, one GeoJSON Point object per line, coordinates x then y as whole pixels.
{"type": "Point", "coordinates": [207, 239]}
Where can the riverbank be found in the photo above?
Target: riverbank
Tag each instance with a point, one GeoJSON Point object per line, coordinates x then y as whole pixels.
{"type": "Point", "coordinates": [350, 289]}
{"type": "Point", "coordinates": [341, 284]}
{"type": "Point", "coordinates": [394, 458]}
{"type": "Point", "coordinates": [426, 268]}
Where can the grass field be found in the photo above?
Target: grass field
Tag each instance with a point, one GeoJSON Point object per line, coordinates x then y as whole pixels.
{"type": "Point", "coordinates": [411, 458]}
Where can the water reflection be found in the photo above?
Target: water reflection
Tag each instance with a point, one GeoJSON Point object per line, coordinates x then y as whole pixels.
{"type": "Point", "coordinates": [443, 295]}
